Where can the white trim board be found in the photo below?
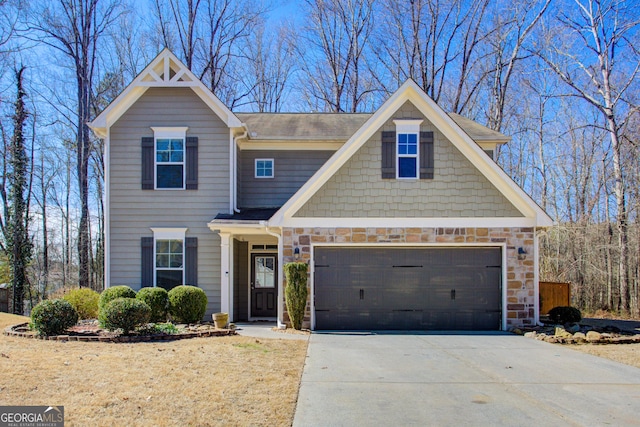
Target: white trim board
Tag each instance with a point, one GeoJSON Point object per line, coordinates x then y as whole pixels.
{"type": "Point", "coordinates": [466, 222]}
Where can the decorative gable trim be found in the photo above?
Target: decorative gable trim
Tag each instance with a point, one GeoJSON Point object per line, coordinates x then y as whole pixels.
{"type": "Point", "coordinates": [166, 70]}
{"type": "Point", "coordinates": [410, 91]}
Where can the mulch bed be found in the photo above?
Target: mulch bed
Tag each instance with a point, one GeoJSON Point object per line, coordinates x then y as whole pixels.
{"type": "Point", "coordinates": [90, 331]}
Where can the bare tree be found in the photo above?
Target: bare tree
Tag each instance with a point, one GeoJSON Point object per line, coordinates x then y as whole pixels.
{"type": "Point", "coordinates": [333, 59]}
{"type": "Point", "coordinates": [74, 27]}
{"type": "Point", "coordinates": [604, 31]}
{"type": "Point", "coordinates": [269, 66]}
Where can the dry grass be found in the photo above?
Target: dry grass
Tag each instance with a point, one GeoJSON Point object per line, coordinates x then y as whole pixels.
{"type": "Point", "coordinates": [197, 382]}
{"type": "Point", "coordinates": [629, 354]}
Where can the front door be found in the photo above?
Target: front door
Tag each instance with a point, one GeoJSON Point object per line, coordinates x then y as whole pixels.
{"type": "Point", "coordinates": [264, 285]}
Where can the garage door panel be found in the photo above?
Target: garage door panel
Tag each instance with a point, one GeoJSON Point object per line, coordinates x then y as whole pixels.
{"type": "Point", "coordinates": [408, 288]}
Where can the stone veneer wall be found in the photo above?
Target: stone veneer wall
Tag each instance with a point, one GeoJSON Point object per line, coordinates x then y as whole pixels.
{"type": "Point", "coordinates": [520, 269]}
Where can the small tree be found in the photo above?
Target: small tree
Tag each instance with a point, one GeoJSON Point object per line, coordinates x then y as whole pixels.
{"type": "Point", "coordinates": [296, 292]}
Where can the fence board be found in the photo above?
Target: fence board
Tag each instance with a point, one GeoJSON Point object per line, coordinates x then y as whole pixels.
{"type": "Point", "coordinates": [554, 294]}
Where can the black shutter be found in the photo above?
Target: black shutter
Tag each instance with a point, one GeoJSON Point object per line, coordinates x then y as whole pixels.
{"type": "Point", "coordinates": [146, 276]}
{"type": "Point", "coordinates": [426, 155]}
{"type": "Point", "coordinates": [147, 162]}
{"type": "Point", "coordinates": [192, 163]}
{"type": "Point", "coordinates": [191, 261]}
{"type": "Point", "coordinates": [388, 155]}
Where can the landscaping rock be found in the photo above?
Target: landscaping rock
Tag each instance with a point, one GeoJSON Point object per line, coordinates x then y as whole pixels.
{"type": "Point", "coordinates": [560, 332]}
{"type": "Point", "coordinates": [531, 334]}
{"type": "Point", "coordinates": [593, 336]}
{"type": "Point", "coordinates": [579, 337]}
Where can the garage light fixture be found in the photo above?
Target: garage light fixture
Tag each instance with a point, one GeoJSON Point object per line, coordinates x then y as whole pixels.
{"type": "Point", "coordinates": [521, 253]}
{"type": "Point", "coordinates": [296, 253]}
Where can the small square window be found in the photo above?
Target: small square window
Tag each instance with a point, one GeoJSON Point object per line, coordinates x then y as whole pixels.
{"type": "Point", "coordinates": [264, 168]}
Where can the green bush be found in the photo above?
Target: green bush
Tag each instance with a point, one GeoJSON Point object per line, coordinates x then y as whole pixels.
{"type": "Point", "coordinates": [158, 300]}
{"type": "Point", "coordinates": [187, 304]}
{"type": "Point", "coordinates": [114, 292]}
{"type": "Point", "coordinates": [85, 301]}
{"type": "Point", "coordinates": [53, 317]}
{"type": "Point", "coordinates": [124, 313]}
{"type": "Point", "coordinates": [564, 315]}
{"type": "Point", "coordinates": [295, 293]}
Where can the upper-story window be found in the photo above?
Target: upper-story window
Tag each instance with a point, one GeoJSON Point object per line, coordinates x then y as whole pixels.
{"type": "Point", "coordinates": [407, 155]}
{"type": "Point", "coordinates": [170, 163]}
{"type": "Point", "coordinates": [170, 160]}
{"type": "Point", "coordinates": [407, 148]}
{"type": "Point", "coordinates": [264, 168]}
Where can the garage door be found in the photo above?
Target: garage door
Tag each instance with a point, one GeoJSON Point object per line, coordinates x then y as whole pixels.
{"type": "Point", "coordinates": [407, 288]}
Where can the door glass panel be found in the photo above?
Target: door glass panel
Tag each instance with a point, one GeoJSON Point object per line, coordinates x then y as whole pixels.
{"type": "Point", "coordinates": [264, 271]}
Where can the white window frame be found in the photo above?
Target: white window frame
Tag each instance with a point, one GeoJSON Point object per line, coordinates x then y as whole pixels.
{"type": "Point", "coordinates": [169, 133]}
{"type": "Point", "coordinates": [408, 127]}
{"type": "Point", "coordinates": [168, 234]}
{"type": "Point", "coordinates": [255, 168]}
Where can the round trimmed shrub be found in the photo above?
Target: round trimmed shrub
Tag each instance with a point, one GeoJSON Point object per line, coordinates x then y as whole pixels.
{"type": "Point", "coordinates": [85, 301]}
{"type": "Point", "coordinates": [53, 317]}
{"type": "Point", "coordinates": [124, 313]}
{"type": "Point", "coordinates": [565, 315]}
{"type": "Point", "coordinates": [187, 304]}
{"type": "Point", "coordinates": [158, 300]}
{"type": "Point", "coordinates": [114, 292]}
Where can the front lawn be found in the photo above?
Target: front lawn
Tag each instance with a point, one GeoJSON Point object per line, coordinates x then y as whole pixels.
{"type": "Point", "coordinates": [230, 380]}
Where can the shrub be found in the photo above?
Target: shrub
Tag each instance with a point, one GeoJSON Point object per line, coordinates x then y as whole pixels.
{"type": "Point", "coordinates": [110, 294]}
{"type": "Point", "coordinates": [85, 301]}
{"type": "Point", "coordinates": [296, 292]}
{"type": "Point", "coordinates": [187, 304]}
{"type": "Point", "coordinates": [158, 300]}
{"type": "Point", "coordinates": [124, 313]}
{"type": "Point", "coordinates": [565, 315]}
{"type": "Point", "coordinates": [53, 317]}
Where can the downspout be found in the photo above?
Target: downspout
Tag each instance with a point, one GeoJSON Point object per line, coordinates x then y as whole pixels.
{"type": "Point", "coordinates": [536, 280]}
{"type": "Point", "coordinates": [233, 156]}
{"type": "Point", "coordinates": [281, 324]}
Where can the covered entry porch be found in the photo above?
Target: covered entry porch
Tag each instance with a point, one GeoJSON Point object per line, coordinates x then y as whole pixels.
{"type": "Point", "coordinates": [251, 273]}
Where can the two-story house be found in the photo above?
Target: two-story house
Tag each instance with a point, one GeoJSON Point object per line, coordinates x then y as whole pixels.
{"type": "Point", "coordinates": [404, 218]}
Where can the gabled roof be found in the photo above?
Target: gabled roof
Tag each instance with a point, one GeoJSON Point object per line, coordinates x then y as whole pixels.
{"type": "Point", "coordinates": [166, 70]}
{"type": "Point", "coordinates": [452, 131]}
{"type": "Point", "coordinates": [337, 127]}
{"type": "Point", "coordinates": [302, 126]}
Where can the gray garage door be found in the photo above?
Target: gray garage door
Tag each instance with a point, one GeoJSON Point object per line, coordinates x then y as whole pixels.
{"type": "Point", "coordinates": [407, 288]}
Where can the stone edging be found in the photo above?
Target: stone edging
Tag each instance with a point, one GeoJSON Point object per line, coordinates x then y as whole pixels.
{"type": "Point", "coordinates": [561, 336]}
{"type": "Point", "coordinates": [11, 331]}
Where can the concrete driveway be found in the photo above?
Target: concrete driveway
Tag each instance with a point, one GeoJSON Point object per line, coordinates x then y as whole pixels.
{"type": "Point", "coordinates": [368, 379]}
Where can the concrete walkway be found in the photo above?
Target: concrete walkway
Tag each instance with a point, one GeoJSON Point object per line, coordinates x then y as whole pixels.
{"type": "Point", "coordinates": [265, 330]}
{"type": "Point", "coordinates": [492, 379]}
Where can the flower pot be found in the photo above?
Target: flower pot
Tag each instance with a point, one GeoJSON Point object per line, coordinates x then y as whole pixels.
{"type": "Point", "coordinates": [220, 320]}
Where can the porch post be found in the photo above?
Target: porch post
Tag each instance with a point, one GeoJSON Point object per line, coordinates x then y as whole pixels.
{"type": "Point", "coordinates": [225, 274]}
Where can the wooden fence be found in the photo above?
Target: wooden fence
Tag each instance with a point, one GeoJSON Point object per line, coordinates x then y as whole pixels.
{"type": "Point", "coordinates": [554, 294]}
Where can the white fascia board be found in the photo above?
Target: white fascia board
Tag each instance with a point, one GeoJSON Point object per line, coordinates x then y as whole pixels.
{"type": "Point", "coordinates": [293, 145]}
{"type": "Point", "coordinates": [471, 222]}
{"type": "Point", "coordinates": [139, 86]}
